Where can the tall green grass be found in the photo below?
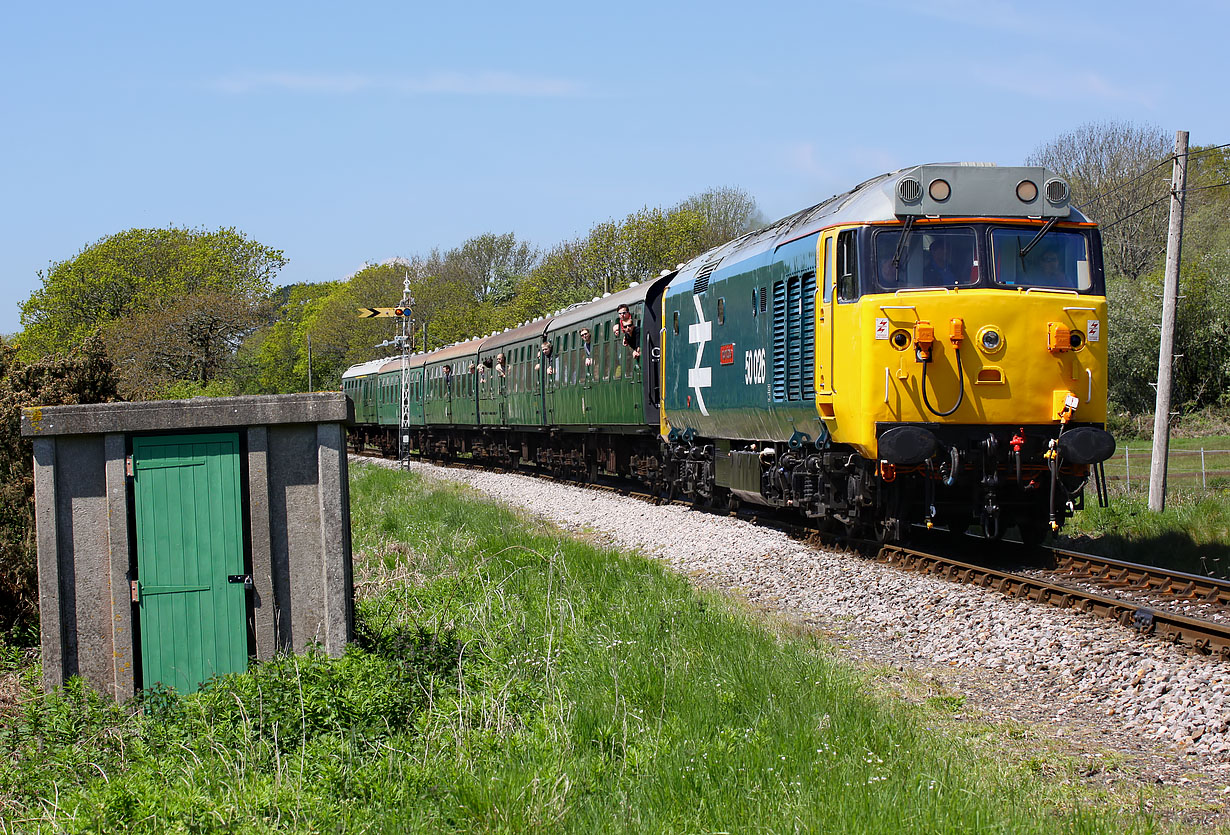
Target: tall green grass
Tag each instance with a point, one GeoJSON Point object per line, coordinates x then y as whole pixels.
{"type": "Point", "coordinates": [511, 679]}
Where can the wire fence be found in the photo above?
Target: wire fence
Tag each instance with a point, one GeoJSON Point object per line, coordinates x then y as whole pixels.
{"type": "Point", "coordinates": [1205, 467]}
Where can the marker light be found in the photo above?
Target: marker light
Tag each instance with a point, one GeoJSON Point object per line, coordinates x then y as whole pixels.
{"type": "Point", "coordinates": [1027, 191]}
{"type": "Point", "coordinates": [991, 340]}
{"type": "Point", "coordinates": [939, 190]}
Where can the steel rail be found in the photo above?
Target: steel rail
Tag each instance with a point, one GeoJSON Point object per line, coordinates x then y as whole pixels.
{"type": "Point", "coordinates": [1135, 577]}
{"type": "Point", "coordinates": [1200, 635]}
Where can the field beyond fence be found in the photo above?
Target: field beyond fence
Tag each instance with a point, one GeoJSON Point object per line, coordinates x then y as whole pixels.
{"type": "Point", "coordinates": [1196, 467]}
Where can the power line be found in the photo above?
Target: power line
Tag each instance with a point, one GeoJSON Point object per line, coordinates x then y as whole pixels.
{"type": "Point", "coordinates": [1106, 226]}
{"type": "Point", "coordinates": [1166, 161]}
{"type": "Point", "coordinates": [1202, 188]}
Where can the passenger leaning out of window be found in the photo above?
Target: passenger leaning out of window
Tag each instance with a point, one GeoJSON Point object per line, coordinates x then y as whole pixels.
{"type": "Point", "coordinates": [630, 331]}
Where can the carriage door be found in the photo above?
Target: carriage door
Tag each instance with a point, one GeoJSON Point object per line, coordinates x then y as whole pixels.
{"type": "Point", "coordinates": [192, 606]}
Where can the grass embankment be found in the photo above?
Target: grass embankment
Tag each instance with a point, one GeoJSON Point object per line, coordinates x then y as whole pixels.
{"type": "Point", "coordinates": [514, 679]}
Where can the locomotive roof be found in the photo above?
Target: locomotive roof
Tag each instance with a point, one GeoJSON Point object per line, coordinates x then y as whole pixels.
{"type": "Point", "coordinates": [877, 201]}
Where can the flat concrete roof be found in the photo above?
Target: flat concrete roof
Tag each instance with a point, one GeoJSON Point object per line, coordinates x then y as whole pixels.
{"type": "Point", "coordinates": [197, 413]}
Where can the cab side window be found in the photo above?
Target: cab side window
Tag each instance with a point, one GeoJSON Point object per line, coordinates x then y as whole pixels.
{"type": "Point", "coordinates": [847, 267]}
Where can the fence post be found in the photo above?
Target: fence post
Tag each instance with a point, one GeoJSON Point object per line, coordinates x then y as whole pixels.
{"type": "Point", "coordinates": [1127, 467]}
{"type": "Point", "coordinates": [1204, 479]}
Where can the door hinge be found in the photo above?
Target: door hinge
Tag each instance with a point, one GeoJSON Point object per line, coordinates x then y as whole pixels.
{"type": "Point", "coordinates": [135, 590]}
{"type": "Point", "coordinates": [128, 465]}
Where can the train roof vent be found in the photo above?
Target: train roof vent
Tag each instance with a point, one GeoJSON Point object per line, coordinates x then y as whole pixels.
{"type": "Point", "coordinates": [701, 284]}
{"type": "Point", "coordinates": [909, 189]}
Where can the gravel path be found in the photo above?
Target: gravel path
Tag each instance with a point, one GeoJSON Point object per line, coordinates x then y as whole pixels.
{"type": "Point", "coordinates": [1096, 688]}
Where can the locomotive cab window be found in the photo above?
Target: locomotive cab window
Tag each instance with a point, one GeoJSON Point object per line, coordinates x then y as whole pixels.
{"type": "Point", "coordinates": [721, 311]}
{"type": "Point", "coordinates": [676, 319]}
{"type": "Point", "coordinates": [933, 256]}
{"type": "Point", "coordinates": [847, 270]}
{"type": "Point", "coordinates": [1059, 260]}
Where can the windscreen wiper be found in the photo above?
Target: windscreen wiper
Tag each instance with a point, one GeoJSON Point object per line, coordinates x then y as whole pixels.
{"type": "Point", "coordinates": [905, 233]}
{"type": "Point", "coordinates": [1046, 227]}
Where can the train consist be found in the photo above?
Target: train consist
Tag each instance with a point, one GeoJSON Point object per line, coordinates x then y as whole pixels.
{"type": "Point", "coordinates": [928, 347]}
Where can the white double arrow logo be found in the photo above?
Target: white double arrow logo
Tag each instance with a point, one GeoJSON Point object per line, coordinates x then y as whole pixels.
{"type": "Point", "coordinates": [699, 334]}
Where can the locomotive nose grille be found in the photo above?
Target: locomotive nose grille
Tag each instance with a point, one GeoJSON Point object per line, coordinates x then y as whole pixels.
{"type": "Point", "coordinates": [909, 190]}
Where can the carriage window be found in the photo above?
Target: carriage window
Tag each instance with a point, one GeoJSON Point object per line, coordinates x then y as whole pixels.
{"type": "Point", "coordinates": [721, 311]}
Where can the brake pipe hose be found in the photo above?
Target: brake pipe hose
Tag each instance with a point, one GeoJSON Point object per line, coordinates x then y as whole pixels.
{"type": "Point", "coordinates": [960, 388]}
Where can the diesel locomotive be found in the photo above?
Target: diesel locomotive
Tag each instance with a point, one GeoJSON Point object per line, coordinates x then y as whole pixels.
{"type": "Point", "coordinates": [926, 348]}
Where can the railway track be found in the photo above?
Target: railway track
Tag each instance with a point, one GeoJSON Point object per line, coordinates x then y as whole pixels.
{"type": "Point", "coordinates": [1076, 581]}
{"type": "Point", "coordinates": [1141, 598]}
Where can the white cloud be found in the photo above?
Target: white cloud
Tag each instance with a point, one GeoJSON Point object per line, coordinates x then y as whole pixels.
{"type": "Point", "coordinates": [442, 83]}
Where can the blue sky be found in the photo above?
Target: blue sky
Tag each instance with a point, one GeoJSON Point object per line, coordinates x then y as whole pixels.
{"type": "Point", "coordinates": [352, 133]}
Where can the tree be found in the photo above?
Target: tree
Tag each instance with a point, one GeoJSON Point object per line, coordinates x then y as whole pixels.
{"type": "Point", "coordinates": [727, 213]}
{"type": "Point", "coordinates": [1119, 178]}
{"type": "Point", "coordinates": [189, 339]}
{"type": "Point", "coordinates": [273, 360]}
{"type": "Point", "coordinates": [83, 376]}
{"type": "Point", "coordinates": [489, 265]}
{"type": "Point", "coordinates": [1202, 371]}
{"type": "Point", "coordinates": [639, 247]}
{"type": "Point", "coordinates": [138, 271]}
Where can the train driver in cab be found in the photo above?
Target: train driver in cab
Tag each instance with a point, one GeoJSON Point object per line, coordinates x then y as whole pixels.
{"type": "Point", "coordinates": [937, 272]}
{"type": "Point", "coordinates": [1052, 274]}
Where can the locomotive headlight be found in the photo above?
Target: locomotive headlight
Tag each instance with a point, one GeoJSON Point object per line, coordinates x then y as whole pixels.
{"type": "Point", "coordinates": [1027, 191]}
{"type": "Point", "coordinates": [990, 340]}
{"type": "Point", "coordinates": [939, 190]}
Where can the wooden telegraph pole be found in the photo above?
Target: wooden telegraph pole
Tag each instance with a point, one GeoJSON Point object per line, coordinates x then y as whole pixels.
{"type": "Point", "coordinates": [1170, 301]}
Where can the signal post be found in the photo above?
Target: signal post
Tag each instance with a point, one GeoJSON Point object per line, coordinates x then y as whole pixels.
{"type": "Point", "coordinates": [404, 342]}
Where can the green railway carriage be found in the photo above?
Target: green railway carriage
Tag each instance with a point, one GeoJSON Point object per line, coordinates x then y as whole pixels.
{"type": "Point", "coordinates": [359, 382]}
{"type": "Point", "coordinates": [510, 393]}
{"type": "Point", "coordinates": [605, 385]}
{"type": "Point", "coordinates": [451, 391]}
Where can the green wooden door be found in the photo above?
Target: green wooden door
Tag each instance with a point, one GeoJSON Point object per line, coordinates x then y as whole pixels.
{"type": "Point", "coordinates": [193, 618]}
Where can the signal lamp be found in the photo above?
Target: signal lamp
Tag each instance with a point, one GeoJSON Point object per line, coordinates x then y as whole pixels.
{"type": "Point", "coordinates": [1027, 191]}
{"type": "Point", "coordinates": [939, 190]}
{"type": "Point", "coordinates": [991, 340]}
